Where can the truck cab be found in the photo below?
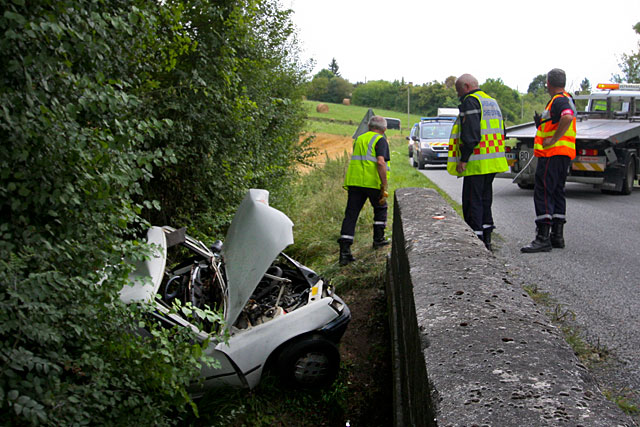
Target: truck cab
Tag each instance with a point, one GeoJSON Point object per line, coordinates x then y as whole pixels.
{"type": "Point", "coordinates": [607, 141]}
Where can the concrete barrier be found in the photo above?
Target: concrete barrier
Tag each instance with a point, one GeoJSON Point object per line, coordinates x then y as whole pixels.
{"type": "Point", "coordinates": [471, 348]}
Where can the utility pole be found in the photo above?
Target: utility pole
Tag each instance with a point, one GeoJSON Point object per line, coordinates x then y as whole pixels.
{"type": "Point", "coordinates": [408, 104]}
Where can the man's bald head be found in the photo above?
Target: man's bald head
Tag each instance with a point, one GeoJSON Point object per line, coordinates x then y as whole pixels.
{"type": "Point", "coordinates": [465, 84]}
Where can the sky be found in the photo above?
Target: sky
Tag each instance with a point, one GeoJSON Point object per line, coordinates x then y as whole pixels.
{"type": "Point", "coordinates": [426, 40]}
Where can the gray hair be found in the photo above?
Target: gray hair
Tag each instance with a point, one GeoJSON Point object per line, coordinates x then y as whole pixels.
{"type": "Point", "coordinates": [467, 79]}
{"type": "Point", "coordinates": [378, 122]}
{"type": "Point", "coordinates": [557, 78]}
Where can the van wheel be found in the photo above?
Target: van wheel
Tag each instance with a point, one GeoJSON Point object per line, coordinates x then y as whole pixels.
{"type": "Point", "coordinates": [311, 362]}
{"type": "Point", "coordinates": [526, 185]}
{"type": "Point", "coordinates": [627, 184]}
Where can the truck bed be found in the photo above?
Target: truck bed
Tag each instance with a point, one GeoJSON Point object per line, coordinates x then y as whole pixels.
{"type": "Point", "coordinates": [615, 131]}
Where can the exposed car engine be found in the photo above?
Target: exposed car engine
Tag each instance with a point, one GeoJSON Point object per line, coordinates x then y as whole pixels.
{"type": "Point", "coordinates": [199, 280]}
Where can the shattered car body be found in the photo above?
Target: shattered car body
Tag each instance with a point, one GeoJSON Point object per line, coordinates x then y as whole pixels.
{"type": "Point", "coordinates": [278, 312]}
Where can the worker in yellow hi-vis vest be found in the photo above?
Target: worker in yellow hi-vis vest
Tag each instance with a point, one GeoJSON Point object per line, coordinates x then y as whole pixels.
{"type": "Point", "coordinates": [366, 178]}
{"type": "Point", "coordinates": [476, 152]}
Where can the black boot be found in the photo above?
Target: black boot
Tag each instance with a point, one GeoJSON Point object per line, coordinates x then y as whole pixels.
{"type": "Point", "coordinates": [557, 239]}
{"type": "Point", "coordinates": [486, 238]}
{"type": "Point", "coordinates": [378, 237]}
{"type": "Point", "coordinates": [345, 252]}
{"type": "Point", "coordinates": [542, 243]}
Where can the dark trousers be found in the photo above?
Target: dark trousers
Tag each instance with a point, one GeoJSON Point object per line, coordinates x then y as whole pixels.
{"type": "Point", "coordinates": [548, 194]}
{"type": "Point", "coordinates": [477, 197]}
{"type": "Point", "coordinates": [355, 201]}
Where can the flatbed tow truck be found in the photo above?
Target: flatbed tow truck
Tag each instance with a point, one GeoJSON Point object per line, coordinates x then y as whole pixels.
{"type": "Point", "coordinates": [607, 142]}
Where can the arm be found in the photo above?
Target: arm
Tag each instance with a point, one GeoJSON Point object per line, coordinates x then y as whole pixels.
{"type": "Point", "coordinates": [382, 172]}
{"type": "Point", "coordinates": [563, 126]}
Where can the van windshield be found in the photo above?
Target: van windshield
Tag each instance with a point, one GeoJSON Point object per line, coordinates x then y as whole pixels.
{"type": "Point", "coordinates": [436, 131]}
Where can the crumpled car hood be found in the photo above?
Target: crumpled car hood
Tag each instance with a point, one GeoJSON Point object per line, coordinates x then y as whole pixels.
{"type": "Point", "coordinates": [257, 235]}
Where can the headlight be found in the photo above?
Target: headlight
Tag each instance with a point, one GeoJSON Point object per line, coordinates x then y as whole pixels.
{"type": "Point", "coordinates": [425, 145]}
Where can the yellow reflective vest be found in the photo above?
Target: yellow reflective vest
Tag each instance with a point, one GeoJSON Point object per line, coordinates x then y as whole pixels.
{"type": "Point", "coordinates": [363, 167]}
{"type": "Point", "coordinates": [488, 155]}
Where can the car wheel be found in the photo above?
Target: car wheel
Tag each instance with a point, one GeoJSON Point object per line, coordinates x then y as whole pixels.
{"type": "Point", "coordinates": [421, 163]}
{"type": "Point", "coordinates": [311, 362]}
{"type": "Point", "coordinates": [526, 185]}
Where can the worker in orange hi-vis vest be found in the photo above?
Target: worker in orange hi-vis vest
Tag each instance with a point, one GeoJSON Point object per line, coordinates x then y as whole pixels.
{"type": "Point", "coordinates": [555, 147]}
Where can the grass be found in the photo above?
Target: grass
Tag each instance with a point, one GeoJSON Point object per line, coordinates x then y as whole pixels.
{"type": "Point", "coordinates": [354, 114]}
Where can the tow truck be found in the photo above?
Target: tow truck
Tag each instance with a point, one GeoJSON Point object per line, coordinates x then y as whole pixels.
{"type": "Point", "coordinates": [607, 142]}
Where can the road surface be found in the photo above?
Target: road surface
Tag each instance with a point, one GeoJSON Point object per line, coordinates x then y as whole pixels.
{"type": "Point", "coordinates": [596, 276]}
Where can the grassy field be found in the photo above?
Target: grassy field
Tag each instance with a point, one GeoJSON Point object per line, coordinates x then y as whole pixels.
{"type": "Point", "coordinates": [347, 117]}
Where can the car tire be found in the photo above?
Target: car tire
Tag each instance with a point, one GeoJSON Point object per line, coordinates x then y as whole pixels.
{"type": "Point", "coordinates": [310, 362]}
{"type": "Point", "coordinates": [421, 163]}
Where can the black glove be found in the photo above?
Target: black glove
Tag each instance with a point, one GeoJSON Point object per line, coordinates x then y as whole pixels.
{"type": "Point", "coordinates": [537, 118]}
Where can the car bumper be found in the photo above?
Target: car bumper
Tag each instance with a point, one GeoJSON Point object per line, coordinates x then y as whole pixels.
{"type": "Point", "coordinates": [431, 156]}
{"type": "Point", "coordinates": [336, 328]}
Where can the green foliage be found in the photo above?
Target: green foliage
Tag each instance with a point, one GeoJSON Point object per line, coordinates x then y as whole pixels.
{"type": "Point", "coordinates": [537, 85]}
{"type": "Point", "coordinates": [113, 109]}
{"type": "Point", "coordinates": [328, 86]}
{"type": "Point", "coordinates": [508, 99]}
{"type": "Point", "coordinates": [236, 106]}
{"type": "Point", "coordinates": [426, 99]}
{"type": "Point", "coordinates": [381, 94]}
{"type": "Point", "coordinates": [630, 65]}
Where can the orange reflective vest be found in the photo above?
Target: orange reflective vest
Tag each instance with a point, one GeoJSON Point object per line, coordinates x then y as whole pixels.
{"type": "Point", "coordinates": [566, 145]}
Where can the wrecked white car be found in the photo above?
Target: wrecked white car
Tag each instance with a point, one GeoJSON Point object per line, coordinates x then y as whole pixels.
{"type": "Point", "coordinates": [279, 314]}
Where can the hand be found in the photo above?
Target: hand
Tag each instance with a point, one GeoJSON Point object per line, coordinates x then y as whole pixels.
{"type": "Point", "coordinates": [546, 142]}
{"type": "Point", "coordinates": [383, 197]}
{"type": "Point", "coordinates": [461, 167]}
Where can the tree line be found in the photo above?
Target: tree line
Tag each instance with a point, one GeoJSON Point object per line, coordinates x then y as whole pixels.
{"type": "Point", "coordinates": [328, 86]}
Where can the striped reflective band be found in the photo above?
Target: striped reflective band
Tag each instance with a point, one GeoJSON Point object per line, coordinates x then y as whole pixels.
{"type": "Point", "coordinates": [591, 167]}
{"type": "Point", "coordinates": [473, 157]}
{"type": "Point", "coordinates": [369, 157]}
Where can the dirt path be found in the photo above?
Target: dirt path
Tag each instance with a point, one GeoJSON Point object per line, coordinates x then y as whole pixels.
{"type": "Point", "coordinates": [328, 145]}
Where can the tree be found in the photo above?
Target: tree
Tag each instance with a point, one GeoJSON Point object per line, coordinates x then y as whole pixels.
{"type": "Point", "coordinates": [630, 64]}
{"type": "Point", "coordinates": [508, 99]}
{"type": "Point", "coordinates": [538, 83]}
{"type": "Point", "coordinates": [585, 86]}
{"type": "Point", "coordinates": [333, 67]}
{"type": "Point", "coordinates": [450, 82]}
{"type": "Point", "coordinates": [426, 99]}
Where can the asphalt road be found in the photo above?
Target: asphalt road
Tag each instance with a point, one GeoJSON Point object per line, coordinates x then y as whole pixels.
{"type": "Point", "coordinates": [596, 276]}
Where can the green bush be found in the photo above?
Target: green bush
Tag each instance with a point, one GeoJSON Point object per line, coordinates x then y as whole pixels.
{"type": "Point", "coordinates": [110, 110]}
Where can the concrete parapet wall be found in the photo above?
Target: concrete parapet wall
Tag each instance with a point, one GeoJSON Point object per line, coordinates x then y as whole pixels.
{"type": "Point", "coordinates": [470, 347]}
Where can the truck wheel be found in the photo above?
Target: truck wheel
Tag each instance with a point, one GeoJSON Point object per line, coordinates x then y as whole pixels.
{"type": "Point", "coordinates": [526, 185]}
{"type": "Point", "coordinates": [627, 184]}
{"type": "Point", "coordinates": [311, 362]}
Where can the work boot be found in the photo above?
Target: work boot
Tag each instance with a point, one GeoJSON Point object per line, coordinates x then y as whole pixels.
{"type": "Point", "coordinates": [378, 237]}
{"type": "Point", "coordinates": [486, 238]}
{"type": "Point", "coordinates": [557, 239]}
{"type": "Point", "coordinates": [542, 242]}
{"type": "Point", "coordinates": [345, 252]}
